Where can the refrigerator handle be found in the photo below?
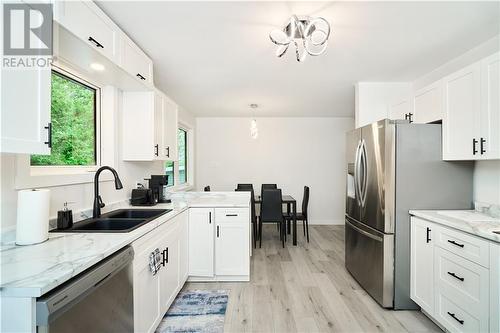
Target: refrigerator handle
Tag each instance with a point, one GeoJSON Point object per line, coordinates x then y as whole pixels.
{"type": "Point", "coordinates": [365, 172]}
{"type": "Point", "coordinates": [357, 183]}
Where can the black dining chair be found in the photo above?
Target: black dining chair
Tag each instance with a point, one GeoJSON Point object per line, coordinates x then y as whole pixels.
{"type": "Point", "coordinates": [271, 212]}
{"type": "Point", "coordinates": [206, 189]}
{"type": "Point", "coordinates": [245, 187]}
{"type": "Point", "coordinates": [253, 215]}
{"type": "Point", "coordinates": [302, 216]}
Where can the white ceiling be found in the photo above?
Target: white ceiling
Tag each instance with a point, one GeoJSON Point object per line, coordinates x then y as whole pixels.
{"type": "Point", "coordinates": [215, 58]}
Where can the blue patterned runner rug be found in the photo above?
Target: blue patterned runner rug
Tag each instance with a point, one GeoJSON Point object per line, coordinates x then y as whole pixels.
{"type": "Point", "coordinates": [196, 311]}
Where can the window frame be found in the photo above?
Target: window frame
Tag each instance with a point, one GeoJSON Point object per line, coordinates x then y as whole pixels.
{"type": "Point", "coordinates": [186, 157]}
{"type": "Point", "coordinates": [41, 170]}
{"type": "Point", "coordinates": [189, 184]}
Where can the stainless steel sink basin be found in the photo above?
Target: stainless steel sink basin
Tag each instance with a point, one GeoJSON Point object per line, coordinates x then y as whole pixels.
{"type": "Point", "coordinates": [121, 220]}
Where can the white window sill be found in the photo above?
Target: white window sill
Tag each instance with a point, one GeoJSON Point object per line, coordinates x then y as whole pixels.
{"type": "Point", "coordinates": [180, 188]}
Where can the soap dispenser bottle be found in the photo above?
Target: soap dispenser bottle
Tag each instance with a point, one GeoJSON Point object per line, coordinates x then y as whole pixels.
{"type": "Point", "coordinates": [65, 218]}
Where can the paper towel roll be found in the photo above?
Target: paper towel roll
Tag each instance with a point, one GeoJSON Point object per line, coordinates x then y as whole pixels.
{"type": "Point", "coordinates": [32, 216]}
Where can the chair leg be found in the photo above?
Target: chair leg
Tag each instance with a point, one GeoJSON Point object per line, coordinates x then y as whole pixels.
{"type": "Point", "coordinates": [307, 229]}
{"type": "Point", "coordinates": [304, 227]}
{"type": "Point", "coordinates": [283, 237]}
{"type": "Point", "coordinates": [254, 226]}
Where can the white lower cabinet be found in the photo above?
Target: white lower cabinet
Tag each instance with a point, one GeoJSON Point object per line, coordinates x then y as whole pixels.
{"type": "Point", "coordinates": [154, 293]}
{"type": "Point", "coordinates": [450, 277]}
{"type": "Point", "coordinates": [422, 267]}
{"type": "Point", "coordinates": [219, 244]}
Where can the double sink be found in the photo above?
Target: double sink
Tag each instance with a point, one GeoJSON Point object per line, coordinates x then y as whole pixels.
{"type": "Point", "coordinates": [121, 220]}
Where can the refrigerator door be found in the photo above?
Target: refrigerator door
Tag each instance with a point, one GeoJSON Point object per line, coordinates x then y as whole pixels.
{"type": "Point", "coordinates": [353, 200]}
{"type": "Point", "coordinates": [376, 170]}
{"type": "Point", "coordinates": [369, 257]}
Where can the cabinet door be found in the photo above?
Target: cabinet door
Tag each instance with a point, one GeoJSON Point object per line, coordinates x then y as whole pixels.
{"type": "Point", "coordinates": [86, 21]}
{"type": "Point", "coordinates": [232, 255]}
{"type": "Point", "coordinates": [147, 311]}
{"type": "Point", "coordinates": [400, 110]}
{"type": "Point", "coordinates": [428, 103]}
{"type": "Point", "coordinates": [461, 112]}
{"type": "Point", "coordinates": [183, 248]}
{"type": "Point", "coordinates": [201, 242]}
{"type": "Point", "coordinates": [138, 126]}
{"type": "Point", "coordinates": [490, 108]}
{"type": "Point", "coordinates": [136, 62]}
{"type": "Point", "coordinates": [158, 127]}
{"type": "Point", "coordinates": [169, 274]}
{"type": "Point", "coordinates": [25, 111]}
{"type": "Point", "coordinates": [170, 129]}
{"type": "Point", "coordinates": [421, 264]}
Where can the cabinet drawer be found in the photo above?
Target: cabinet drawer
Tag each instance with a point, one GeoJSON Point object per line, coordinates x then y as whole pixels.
{"type": "Point", "coordinates": [223, 215]}
{"type": "Point", "coordinates": [465, 282]}
{"type": "Point", "coordinates": [86, 21]}
{"type": "Point", "coordinates": [457, 318]}
{"type": "Point", "coordinates": [136, 63]}
{"type": "Point", "coordinates": [473, 248]}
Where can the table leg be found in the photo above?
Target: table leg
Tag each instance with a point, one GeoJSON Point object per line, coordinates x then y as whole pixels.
{"type": "Point", "coordinates": [288, 221]}
{"type": "Point", "coordinates": [294, 223]}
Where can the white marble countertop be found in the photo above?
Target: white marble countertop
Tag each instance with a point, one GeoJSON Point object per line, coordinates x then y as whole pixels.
{"type": "Point", "coordinates": [31, 271]}
{"type": "Point", "coordinates": [468, 221]}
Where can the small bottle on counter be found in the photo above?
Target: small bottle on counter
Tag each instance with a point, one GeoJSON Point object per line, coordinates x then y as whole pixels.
{"type": "Point", "coordinates": [65, 217]}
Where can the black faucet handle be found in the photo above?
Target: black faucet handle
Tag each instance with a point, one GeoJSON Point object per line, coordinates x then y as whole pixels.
{"type": "Point", "coordinates": [101, 204]}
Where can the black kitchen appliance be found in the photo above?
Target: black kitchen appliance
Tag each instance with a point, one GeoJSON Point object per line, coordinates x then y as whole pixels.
{"type": "Point", "coordinates": [157, 184]}
{"type": "Point", "coordinates": [142, 197]}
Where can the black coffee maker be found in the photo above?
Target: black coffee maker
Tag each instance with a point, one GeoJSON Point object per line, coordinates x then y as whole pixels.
{"type": "Point", "coordinates": [157, 183]}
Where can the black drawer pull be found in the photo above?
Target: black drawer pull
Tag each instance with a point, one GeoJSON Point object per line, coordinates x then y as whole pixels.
{"type": "Point", "coordinates": [455, 243]}
{"type": "Point", "coordinates": [156, 150]}
{"type": "Point", "coordinates": [428, 235]}
{"type": "Point", "coordinates": [49, 135]}
{"type": "Point", "coordinates": [217, 231]}
{"type": "Point", "coordinates": [210, 217]}
{"type": "Point", "coordinates": [454, 317]}
{"type": "Point", "coordinates": [483, 141]}
{"type": "Point", "coordinates": [97, 44]}
{"type": "Point", "coordinates": [140, 76]}
{"type": "Point", "coordinates": [164, 255]}
{"type": "Point", "coordinates": [231, 214]}
{"type": "Point", "coordinates": [474, 143]}
{"type": "Point", "coordinates": [168, 151]}
{"type": "Point", "coordinates": [456, 276]}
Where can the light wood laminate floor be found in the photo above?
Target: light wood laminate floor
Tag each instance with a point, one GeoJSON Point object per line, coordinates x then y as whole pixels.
{"type": "Point", "coordinates": [307, 289]}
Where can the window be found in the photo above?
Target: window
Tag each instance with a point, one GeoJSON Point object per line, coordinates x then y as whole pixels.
{"type": "Point", "coordinates": [177, 172]}
{"type": "Point", "coordinates": [73, 118]}
{"type": "Point", "coordinates": [182, 147]}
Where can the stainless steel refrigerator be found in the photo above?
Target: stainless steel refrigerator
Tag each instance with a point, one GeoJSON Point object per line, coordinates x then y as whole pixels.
{"type": "Point", "coordinates": [392, 167]}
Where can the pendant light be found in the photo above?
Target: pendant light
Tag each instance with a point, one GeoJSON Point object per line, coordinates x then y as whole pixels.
{"type": "Point", "coordinates": [254, 131]}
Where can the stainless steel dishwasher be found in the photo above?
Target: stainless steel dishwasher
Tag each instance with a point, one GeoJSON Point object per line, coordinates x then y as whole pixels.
{"type": "Point", "coordinates": [98, 300]}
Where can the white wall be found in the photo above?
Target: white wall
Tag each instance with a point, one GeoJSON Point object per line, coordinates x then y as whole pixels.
{"type": "Point", "coordinates": [82, 194]}
{"type": "Point", "coordinates": [487, 182]}
{"type": "Point", "coordinates": [291, 152]}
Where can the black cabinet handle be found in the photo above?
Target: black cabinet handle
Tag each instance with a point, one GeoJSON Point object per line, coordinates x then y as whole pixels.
{"type": "Point", "coordinates": [165, 257]}
{"type": "Point", "coordinates": [474, 143]}
{"type": "Point", "coordinates": [455, 243]}
{"type": "Point", "coordinates": [156, 150]}
{"type": "Point", "coordinates": [410, 115]}
{"type": "Point", "coordinates": [428, 235]}
{"type": "Point", "coordinates": [168, 151]}
{"type": "Point", "coordinates": [456, 276]}
{"type": "Point", "coordinates": [97, 44]}
{"type": "Point", "coordinates": [217, 231]}
{"type": "Point", "coordinates": [231, 214]}
{"type": "Point", "coordinates": [454, 317]}
{"type": "Point", "coordinates": [210, 217]}
{"type": "Point", "coordinates": [166, 250]}
{"type": "Point", "coordinates": [49, 135]}
{"type": "Point", "coordinates": [140, 76]}
{"type": "Point", "coordinates": [483, 141]}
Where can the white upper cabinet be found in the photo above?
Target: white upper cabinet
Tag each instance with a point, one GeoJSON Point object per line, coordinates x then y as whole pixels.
{"type": "Point", "coordinates": [26, 111]}
{"type": "Point", "coordinates": [170, 123]}
{"type": "Point", "coordinates": [136, 62]}
{"type": "Point", "coordinates": [88, 22]}
{"type": "Point", "coordinates": [471, 119]}
{"type": "Point", "coordinates": [401, 109]}
{"type": "Point", "coordinates": [428, 103]}
{"type": "Point", "coordinates": [489, 128]}
{"type": "Point", "coordinates": [462, 102]}
{"type": "Point", "coordinates": [158, 127]}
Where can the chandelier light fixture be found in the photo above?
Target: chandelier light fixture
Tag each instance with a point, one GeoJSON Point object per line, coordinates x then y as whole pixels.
{"type": "Point", "coordinates": [254, 131]}
{"type": "Point", "coordinates": [307, 34]}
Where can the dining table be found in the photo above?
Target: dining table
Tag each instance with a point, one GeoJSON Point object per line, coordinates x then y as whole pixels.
{"type": "Point", "coordinates": [291, 207]}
